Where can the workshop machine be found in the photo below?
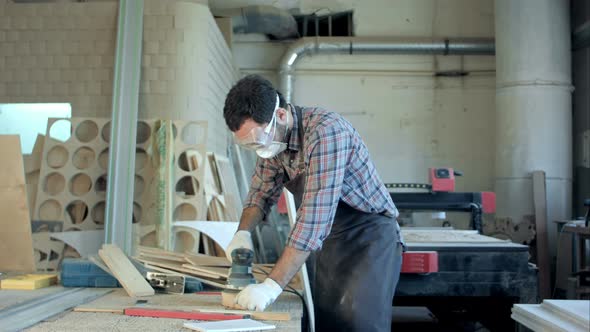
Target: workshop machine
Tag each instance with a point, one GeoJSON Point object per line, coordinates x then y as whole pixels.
{"type": "Point", "coordinates": [456, 274]}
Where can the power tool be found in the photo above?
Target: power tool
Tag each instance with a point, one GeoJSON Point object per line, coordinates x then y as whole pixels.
{"type": "Point", "coordinates": [240, 276]}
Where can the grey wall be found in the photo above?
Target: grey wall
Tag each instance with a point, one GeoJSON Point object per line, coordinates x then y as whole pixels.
{"type": "Point", "coordinates": [580, 14]}
{"type": "Point", "coordinates": [409, 119]}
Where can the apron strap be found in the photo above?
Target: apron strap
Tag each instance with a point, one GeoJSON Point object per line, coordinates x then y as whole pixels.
{"type": "Point", "coordinates": [299, 113]}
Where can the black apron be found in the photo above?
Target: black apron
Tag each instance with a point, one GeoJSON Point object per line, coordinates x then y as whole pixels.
{"type": "Point", "coordinates": [354, 276]}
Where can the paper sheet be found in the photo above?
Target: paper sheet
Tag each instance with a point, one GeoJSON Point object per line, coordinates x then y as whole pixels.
{"type": "Point", "coordinates": [86, 243]}
{"type": "Point", "coordinates": [219, 231]}
{"type": "Point", "coordinates": [229, 326]}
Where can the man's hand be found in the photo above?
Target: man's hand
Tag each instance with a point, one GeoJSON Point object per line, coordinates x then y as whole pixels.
{"type": "Point", "coordinates": [259, 296]}
{"type": "Point", "coordinates": [242, 239]}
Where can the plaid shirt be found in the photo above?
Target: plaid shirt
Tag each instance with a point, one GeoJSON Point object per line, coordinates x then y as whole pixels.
{"type": "Point", "coordinates": [338, 168]}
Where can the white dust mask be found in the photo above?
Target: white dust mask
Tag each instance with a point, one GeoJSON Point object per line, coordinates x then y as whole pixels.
{"type": "Point", "coordinates": [271, 150]}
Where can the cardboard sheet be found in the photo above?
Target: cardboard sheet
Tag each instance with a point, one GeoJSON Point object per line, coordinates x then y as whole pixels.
{"type": "Point", "coordinates": [16, 244]}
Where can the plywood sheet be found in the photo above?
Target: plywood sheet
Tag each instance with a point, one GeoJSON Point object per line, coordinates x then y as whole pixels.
{"type": "Point", "coordinates": [576, 310]}
{"type": "Point", "coordinates": [446, 236]}
{"type": "Point", "coordinates": [547, 319]}
{"type": "Point", "coordinates": [16, 243]}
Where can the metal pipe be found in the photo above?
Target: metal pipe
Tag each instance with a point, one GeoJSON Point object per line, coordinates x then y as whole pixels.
{"type": "Point", "coordinates": [363, 45]}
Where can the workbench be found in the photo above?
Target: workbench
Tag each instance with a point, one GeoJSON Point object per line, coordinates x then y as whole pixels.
{"type": "Point", "coordinates": [103, 314]}
{"type": "Point", "coordinates": [479, 277]}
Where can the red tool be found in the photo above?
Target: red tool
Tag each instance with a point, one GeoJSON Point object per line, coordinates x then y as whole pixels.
{"type": "Point", "coordinates": [443, 179]}
{"type": "Point", "coordinates": [420, 262]}
{"type": "Point", "coordinates": [193, 315]}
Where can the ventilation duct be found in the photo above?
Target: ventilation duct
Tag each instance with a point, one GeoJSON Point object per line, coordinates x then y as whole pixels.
{"type": "Point", "coordinates": [271, 21]}
{"type": "Point", "coordinates": [363, 45]}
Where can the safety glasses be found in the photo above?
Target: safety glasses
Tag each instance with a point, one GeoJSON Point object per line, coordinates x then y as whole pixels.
{"type": "Point", "coordinates": [260, 137]}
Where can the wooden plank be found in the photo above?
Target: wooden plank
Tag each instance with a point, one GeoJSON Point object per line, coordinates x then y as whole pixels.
{"type": "Point", "coordinates": [33, 161]}
{"type": "Point", "coordinates": [163, 257]}
{"type": "Point", "coordinates": [575, 310]}
{"type": "Point", "coordinates": [543, 262]}
{"type": "Point", "coordinates": [216, 271]}
{"type": "Point", "coordinates": [119, 310]}
{"type": "Point", "coordinates": [158, 251]}
{"type": "Point", "coordinates": [179, 268]}
{"type": "Point", "coordinates": [133, 282]}
{"type": "Point", "coordinates": [205, 260]}
{"type": "Point", "coordinates": [546, 318]}
{"type": "Point", "coordinates": [229, 185]}
{"type": "Point", "coordinates": [179, 314]}
{"type": "Point", "coordinates": [16, 243]}
{"type": "Point", "coordinates": [193, 165]}
{"type": "Point", "coordinates": [89, 308]}
{"type": "Point", "coordinates": [165, 183]}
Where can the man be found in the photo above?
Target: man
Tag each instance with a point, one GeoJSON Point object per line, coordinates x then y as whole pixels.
{"type": "Point", "coordinates": [344, 212]}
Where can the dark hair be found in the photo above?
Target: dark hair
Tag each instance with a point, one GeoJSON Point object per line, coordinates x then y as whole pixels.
{"type": "Point", "coordinates": [252, 97]}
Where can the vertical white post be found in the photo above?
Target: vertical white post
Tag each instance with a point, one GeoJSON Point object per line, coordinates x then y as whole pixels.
{"type": "Point", "coordinates": [292, 212]}
{"type": "Point", "coordinates": [533, 108]}
{"type": "Point", "coordinates": [121, 174]}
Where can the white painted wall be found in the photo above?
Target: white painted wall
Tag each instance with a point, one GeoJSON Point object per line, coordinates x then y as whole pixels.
{"type": "Point", "coordinates": [409, 119]}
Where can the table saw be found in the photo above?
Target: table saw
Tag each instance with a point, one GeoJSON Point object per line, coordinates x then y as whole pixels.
{"type": "Point", "coordinates": [473, 276]}
{"type": "Point", "coordinates": [478, 276]}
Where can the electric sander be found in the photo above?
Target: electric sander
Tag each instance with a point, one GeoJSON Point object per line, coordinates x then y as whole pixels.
{"type": "Point", "coordinates": [240, 276]}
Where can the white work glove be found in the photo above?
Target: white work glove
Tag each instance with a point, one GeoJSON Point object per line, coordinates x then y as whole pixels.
{"type": "Point", "coordinates": [242, 239]}
{"type": "Point", "coordinates": [259, 296]}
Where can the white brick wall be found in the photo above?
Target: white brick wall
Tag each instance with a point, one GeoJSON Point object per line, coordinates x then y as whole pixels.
{"type": "Point", "coordinates": [51, 52]}
{"type": "Point", "coordinates": [187, 68]}
{"type": "Point", "coordinates": [64, 52]}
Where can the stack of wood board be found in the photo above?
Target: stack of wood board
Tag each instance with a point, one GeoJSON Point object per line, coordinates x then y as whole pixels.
{"type": "Point", "coordinates": [554, 315]}
{"type": "Point", "coordinates": [210, 270]}
{"type": "Point", "coordinates": [416, 235]}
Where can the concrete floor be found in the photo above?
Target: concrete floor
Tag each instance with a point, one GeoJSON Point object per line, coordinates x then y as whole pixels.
{"type": "Point", "coordinates": [9, 297]}
{"type": "Point", "coordinates": [91, 321]}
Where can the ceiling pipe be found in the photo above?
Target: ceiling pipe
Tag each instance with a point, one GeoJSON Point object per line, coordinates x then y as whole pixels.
{"type": "Point", "coordinates": [363, 45]}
